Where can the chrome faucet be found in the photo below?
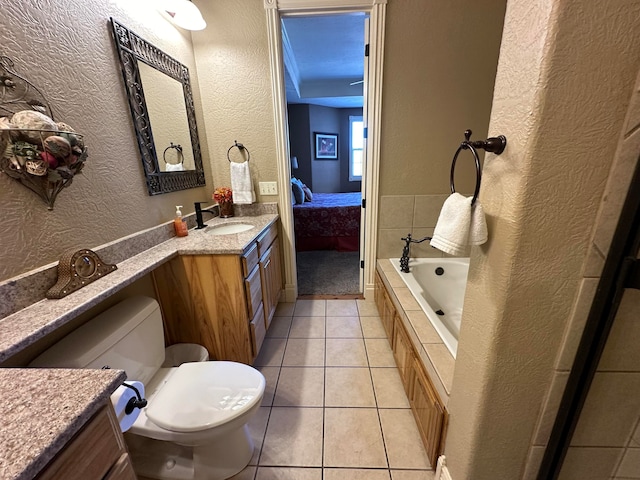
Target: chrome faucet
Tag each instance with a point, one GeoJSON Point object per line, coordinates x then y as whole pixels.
{"type": "Point", "coordinates": [199, 211]}
{"type": "Point", "coordinates": [404, 260]}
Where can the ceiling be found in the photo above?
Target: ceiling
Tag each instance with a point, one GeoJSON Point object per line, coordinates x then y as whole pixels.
{"type": "Point", "coordinates": [323, 55]}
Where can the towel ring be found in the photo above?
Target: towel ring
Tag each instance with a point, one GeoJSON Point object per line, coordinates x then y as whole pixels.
{"type": "Point", "coordinates": [240, 147]}
{"type": "Point", "coordinates": [493, 144]}
{"type": "Point", "coordinates": [467, 146]}
{"type": "Point", "coordinates": [178, 149]}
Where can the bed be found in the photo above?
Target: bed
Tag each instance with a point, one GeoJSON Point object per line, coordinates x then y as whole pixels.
{"type": "Point", "coordinates": [331, 221]}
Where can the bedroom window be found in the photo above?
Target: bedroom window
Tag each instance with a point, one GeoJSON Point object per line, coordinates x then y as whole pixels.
{"type": "Point", "coordinates": [356, 146]}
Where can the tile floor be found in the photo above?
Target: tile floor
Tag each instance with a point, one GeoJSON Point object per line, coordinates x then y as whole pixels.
{"type": "Point", "coordinates": [334, 406]}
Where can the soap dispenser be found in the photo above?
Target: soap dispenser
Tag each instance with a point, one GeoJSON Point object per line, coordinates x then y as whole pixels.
{"type": "Point", "coordinates": [180, 224]}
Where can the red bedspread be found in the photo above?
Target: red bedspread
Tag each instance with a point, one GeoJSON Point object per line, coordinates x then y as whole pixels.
{"type": "Point", "coordinates": [330, 222]}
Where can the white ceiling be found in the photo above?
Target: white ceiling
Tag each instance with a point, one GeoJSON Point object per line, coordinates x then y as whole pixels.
{"type": "Point", "coordinates": [322, 56]}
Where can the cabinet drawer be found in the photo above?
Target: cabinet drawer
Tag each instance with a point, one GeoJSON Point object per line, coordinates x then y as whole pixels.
{"type": "Point", "coordinates": [266, 239]}
{"type": "Point", "coordinates": [92, 453]}
{"type": "Point", "coordinates": [258, 331]}
{"type": "Point", "coordinates": [254, 291]}
{"type": "Point", "coordinates": [249, 259]}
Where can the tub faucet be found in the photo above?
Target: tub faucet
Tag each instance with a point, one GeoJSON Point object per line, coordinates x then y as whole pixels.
{"type": "Point", "coordinates": [404, 260]}
{"type": "Point", "coordinates": [199, 211]}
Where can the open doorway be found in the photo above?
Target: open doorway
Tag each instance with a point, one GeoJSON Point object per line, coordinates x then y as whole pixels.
{"type": "Point", "coordinates": [324, 69]}
{"type": "Point", "coordinates": [376, 11]}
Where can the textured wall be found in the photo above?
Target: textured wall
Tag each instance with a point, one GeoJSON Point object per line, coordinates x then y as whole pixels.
{"type": "Point", "coordinates": [564, 78]}
{"type": "Point", "coordinates": [232, 57]}
{"type": "Point", "coordinates": [439, 70]}
{"type": "Point", "coordinates": [65, 48]}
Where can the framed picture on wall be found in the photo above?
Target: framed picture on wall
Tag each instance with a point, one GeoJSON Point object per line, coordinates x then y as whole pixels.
{"type": "Point", "coordinates": [326, 146]}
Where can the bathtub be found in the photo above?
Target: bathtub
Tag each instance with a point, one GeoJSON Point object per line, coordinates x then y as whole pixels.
{"type": "Point", "coordinates": [440, 296]}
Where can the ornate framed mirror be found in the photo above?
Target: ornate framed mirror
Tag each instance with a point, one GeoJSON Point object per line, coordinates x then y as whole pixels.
{"type": "Point", "coordinates": [163, 113]}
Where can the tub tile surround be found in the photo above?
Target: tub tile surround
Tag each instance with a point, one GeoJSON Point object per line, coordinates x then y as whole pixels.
{"type": "Point", "coordinates": [402, 214]}
{"type": "Point", "coordinates": [435, 356]}
{"type": "Point", "coordinates": [337, 420]}
{"type": "Point", "coordinates": [41, 317]}
{"type": "Point", "coordinates": [34, 426]}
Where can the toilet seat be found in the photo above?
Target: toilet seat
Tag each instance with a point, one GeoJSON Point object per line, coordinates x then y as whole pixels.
{"type": "Point", "coordinates": [203, 395]}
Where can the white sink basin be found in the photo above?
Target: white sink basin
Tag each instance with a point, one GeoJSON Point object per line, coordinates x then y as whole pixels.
{"type": "Point", "coordinates": [228, 228]}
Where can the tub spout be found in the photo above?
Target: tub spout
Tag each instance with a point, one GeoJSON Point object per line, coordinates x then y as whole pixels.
{"type": "Point", "coordinates": [406, 251]}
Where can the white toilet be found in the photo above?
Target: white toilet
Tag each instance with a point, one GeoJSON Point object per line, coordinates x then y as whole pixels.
{"type": "Point", "coordinates": [195, 423]}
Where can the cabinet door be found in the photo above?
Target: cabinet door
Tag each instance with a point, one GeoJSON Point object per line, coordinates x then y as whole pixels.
{"type": "Point", "coordinates": [403, 352]}
{"type": "Point", "coordinates": [428, 411]}
{"type": "Point", "coordinates": [271, 277]}
{"type": "Point", "coordinates": [203, 301]}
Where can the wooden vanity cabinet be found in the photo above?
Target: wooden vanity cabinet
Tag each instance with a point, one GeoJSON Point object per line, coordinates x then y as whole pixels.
{"type": "Point", "coordinates": [97, 452]}
{"type": "Point", "coordinates": [220, 301]}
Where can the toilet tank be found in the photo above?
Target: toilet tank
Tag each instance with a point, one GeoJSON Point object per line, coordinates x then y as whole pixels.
{"type": "Point", "coordinates": [128, 336]}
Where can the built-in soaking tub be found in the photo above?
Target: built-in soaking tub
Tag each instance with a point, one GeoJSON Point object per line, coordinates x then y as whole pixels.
{"type": "Point", "coordinates": [438, 285]}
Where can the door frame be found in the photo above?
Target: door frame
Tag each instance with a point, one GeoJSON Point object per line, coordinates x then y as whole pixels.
{"type": "Point", "coordinates": [376, 9]}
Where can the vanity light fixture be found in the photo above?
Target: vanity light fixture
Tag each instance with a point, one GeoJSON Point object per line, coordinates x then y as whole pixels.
{"type": "Point", "coordinates": [184, 13]}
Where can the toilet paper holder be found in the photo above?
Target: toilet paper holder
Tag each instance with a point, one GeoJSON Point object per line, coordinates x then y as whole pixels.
{"type": "Point", "coordinates": [134, 402]}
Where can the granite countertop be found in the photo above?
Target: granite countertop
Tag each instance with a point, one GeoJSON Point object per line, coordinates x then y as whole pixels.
{"type": "Point", "coordinates": [27, 326]}
{"type": "Point", "coordinates": [42, 409]}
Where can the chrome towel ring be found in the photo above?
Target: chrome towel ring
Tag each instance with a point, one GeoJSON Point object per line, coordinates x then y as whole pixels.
{"type": "Point", "coordinates": [240, 147]}
{"type": "Point", "coordinates": [493, 144]}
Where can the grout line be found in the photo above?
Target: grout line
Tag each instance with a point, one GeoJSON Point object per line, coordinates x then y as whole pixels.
{"type": "Point", "coordinates": [324, 395]}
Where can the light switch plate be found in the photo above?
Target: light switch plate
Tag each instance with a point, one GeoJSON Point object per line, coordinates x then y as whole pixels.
{"type": "Point", "coordinates": [268, 188]}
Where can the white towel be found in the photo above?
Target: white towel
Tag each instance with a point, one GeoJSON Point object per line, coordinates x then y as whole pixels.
{"type": "Point", "coordinates": [460, 224]}
{"type": "Point", "coordinates": [241, 183]}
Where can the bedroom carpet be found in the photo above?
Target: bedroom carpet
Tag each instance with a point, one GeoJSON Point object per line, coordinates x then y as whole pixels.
{"type": "Point", "coordinates": [327, 272]}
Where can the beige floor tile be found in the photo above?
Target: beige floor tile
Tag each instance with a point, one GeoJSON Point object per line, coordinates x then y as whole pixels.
{"type": "Point", "coordinates": [294, 438]}
{"type": "Point", "coordinates": [280, 473]}
{"type": "Point", "coordinates": [279, 327]}
{"type": "Point", "coordinates": [379, 352]}
{"type": "Point", "coordinates": [355, 474]}
{"type": "Point", "coordinates": [372, 327]}
{"type": "Point", "coordinates": [346, 352]}
{"type": "Point", "coordinates": [257, 427]}
{"type": "Point", "coordinates": [348, 387]}
{"type": "Point", "coordinates": [300, 387]}
{"type": "Point", "coordinates": [271, 378]}
{"type": "Point", "coordinates": [402, 439]}
{"type": "Point", "coordinates": [388, 388]}
{"type": "Point", "coordinates": [271, 353]}
{"type": "Point", "coordinates": [247, 474]}
{"type": "Point", "coordinates": [307, 327]}
{"type": "Point", "coordinates": [304, 352]}
{"type": "Point", "coordinates": [337, 308]}
{"type": "Point", "coordinates": [343, 327]}
{"type": "Point", "coordinates": [310, 308]}
{"type": "Point", "coordinates": [352, 438]}
{"type": "Point", "coordinates": [412, 475]}
{"type": "Point", "coordinates": [285, 309]}
{"type": "Point", "coordinates": [367, 308]}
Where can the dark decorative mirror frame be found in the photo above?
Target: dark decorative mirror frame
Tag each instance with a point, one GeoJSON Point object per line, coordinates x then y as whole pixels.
{"type": "Point", "coordinates": [131, 49]}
